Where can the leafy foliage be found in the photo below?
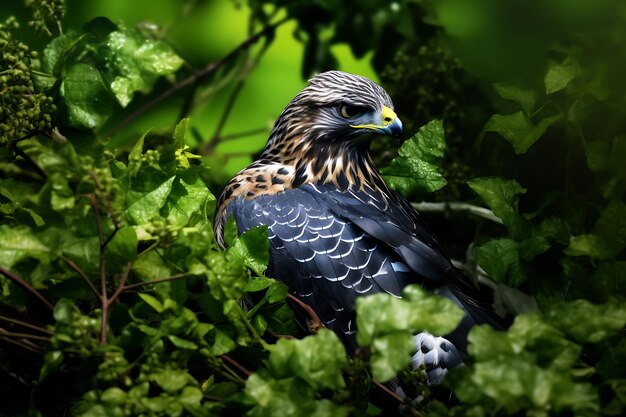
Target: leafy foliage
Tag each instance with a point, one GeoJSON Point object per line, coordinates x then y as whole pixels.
{"type": "Point", "coordinates": [116, 300]}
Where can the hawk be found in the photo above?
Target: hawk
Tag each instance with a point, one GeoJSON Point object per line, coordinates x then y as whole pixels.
{"type": "Point", "coordinates": [336, 230]}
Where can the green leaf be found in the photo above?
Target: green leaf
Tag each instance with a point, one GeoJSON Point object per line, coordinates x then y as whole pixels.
{"type": "Point", "coordinates": [586, 322]}
{"type": "Point", "coordinates": [172, 380]}
{"type": "Point", "coordinates": [141, 207]}
{"type": "Point", "coordinates": [52, 363]}
{"type": "Point", "coordinates": [123, 246]}
{"type": "Point", "coordinates": [317, 359]}
{"type": "Point", "coordinates": [152, 302]}
{"type": "Point", "coordinates": [188, 198]}
{"type": "Point", "coordinates": [19, 243]}
{"type": "Point", "coordinates": [85, 95]}
{"type": "Point", "coordinates": [391, 354]}
{"type": "Point", "coordinates": [500, 258]}
{"type": "Point", "coordinates": [518, 129]}
{"type": "Point", "coordinates": [135, 62]}
{"type": "Point", "coordinates": [525, 97]}
{"type": "Point", "coordinates": [502, 196]}
{"type": "Point", "coordinates": [611, 226]}
{"type": "Point", "coordinates": [251, 248]}
{"type": "Point", "coordinates": [287, 397]}
{"type": "Point", "coordinates": [182, 343]}
{"type": "Point", "coordinates": [61, 196]}
{"type": "Point", "coordinates": [559, 75]}
{"type": "Point", "coordinates": [589, 245]}
{"type": "Point", "coordinates": [416, 169]}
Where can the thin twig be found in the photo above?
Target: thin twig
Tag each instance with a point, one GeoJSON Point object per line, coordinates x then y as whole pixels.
{"type": "Point", "coordinates": [154, 281]}
{"type": "Point", "coordinates": [82, 274]}
{"type": "Point", "coordinates": [227, 110]}
{"type": "Point", "coordinates": [388, 391]}
{"type": "Point", "coordinates": [476, 210]}
{"type": "Point", "coordinates": [20, 344]}
{"type": "Point", "coordinates": [25, 324]}
{"type": "Point", "coordinates": [7, 333]}
{"type": "Point", "coordinates": [246, 133]}
{"type": "Point", "coordinates": [20, 281]}
{"type": "Point", "coordinates": [103, 279]}
{"type": "Point", "coordinates": [120, 287]}
{"type": "Point", "coordinates": [29, 160]}
{"type": "Point", "coordinates": [237, 365]}
{"type": "Point", "coordinates": [198, 76]}
{"type": "Point", "coordinates": [315, 320]}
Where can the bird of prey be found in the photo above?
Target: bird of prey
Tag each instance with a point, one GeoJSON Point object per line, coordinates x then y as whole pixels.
{"type": "Point", "coordinates": [336, 230]}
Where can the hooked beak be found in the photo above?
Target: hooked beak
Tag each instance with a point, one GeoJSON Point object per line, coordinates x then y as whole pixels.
{"type": "Point", "coordinates": [390, 124]}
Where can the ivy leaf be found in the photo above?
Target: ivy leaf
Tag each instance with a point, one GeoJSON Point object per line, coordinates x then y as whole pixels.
{"type": "Point", "coordinates": [588, 245]}
{"type": "Point", "coordinates": [518, 129]}
{"type": "Point", "coordinates": [287, 397]}
{"type": "Point", "coordinates": [85, 95]}
{"type": "Point", "coordinates": [19, 243]}
{"type": "Point", "coordinates": [502, 196]}
{"type": "Point", "coordinates": [525, 97]}
{"type": "Point", "coordinates": [141, 207]}
{"type": "Point", "coordinates": [586, 322]}
{"type": "Point", "coordinates": [252, 249]}
{"type": "Point", "coordinates": [559, 75]}
{"type": "Point", "coordinates": [135, 62]}
{"type": "Point", "coordinates": [317, 359]}
{"type": "Point", "coordinates": [416, 169]}
{"type": "Point", "coordinates": [500, 258]}
{"type": "Point", "coordinates": [391, 354]}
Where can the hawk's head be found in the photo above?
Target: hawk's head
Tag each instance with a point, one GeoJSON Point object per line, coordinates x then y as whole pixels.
{"type": "Point", "coordinates": [336, 111]}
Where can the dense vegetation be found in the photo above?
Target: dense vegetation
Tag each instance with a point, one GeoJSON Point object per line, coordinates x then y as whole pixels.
{"type": "Point", "coordinates": [116, 300]}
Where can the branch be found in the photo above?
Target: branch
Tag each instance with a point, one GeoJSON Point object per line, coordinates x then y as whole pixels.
{"type": "Point", "coordinates": [82, 274]}
{"type": "Point", "coordinates": [396, 397]}
{"type": "Point", "coordinates": [20, 344]}
{"type": "Point", "coordinates": [237, 365]}
{"type": "Point", "coordinates": [20, 281]}
{"type": "Point", "coordinates": [227, 110]}
{"type": "Point", "coordinates": [120, 287]}
{"type": "Point", "coordinates": [316, 323]}
{"type": "Point", "coordinates": [103, 279]}
{"type": "Point", "coordinates": [155, 281]}
{"type": "Point", "coordinates": [198, 76]}
{"type": "Point", "coordinates": [29, 160]}
{"type": "Point", "coordinates": [7, 333]}
{"type": "Point", "coordinates": [476, 210]}
{"type": "Point", "coordinates": [25, 324]}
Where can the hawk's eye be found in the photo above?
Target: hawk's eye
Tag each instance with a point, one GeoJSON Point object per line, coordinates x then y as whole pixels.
{"type": "Point", "coordinates": [348, 111]}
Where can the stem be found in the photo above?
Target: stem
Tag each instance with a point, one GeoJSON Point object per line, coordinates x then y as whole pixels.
{"type": "Point", "coordinates": [20, 344]}
{"type": "Point", "coordinates": [20, 281]}
{"type": "Point", "coordinates": [27, 325]}
{"type": "Point", "coordinates": [315, 320]}
{"type": "Point", "coordinates": [154, 281]}
{"type": "Point", "coordinates": [227, 110]}
{"type": "Point", "coordinates": [120, 287]}
{"type": "Point", "coordinates": [476, 210]}
{"type": "Point", "coordinates": [7, 333]}
{"type": "Point", "coordinates": [198, 76]}
{"type": "Point", "coordinates": [233, 136]}
{"type": "Point", "coordinates": [236, 364]}
{"type": "Point", "coordinates": [103, 279]}
{"type": "Point", "coordinates": [82, 275]}
{"type": "Point", "coordinates": [29, 160]}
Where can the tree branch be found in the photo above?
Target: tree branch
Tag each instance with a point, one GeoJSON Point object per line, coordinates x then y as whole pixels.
{"type": "Point", "coordinates": [120, 287]}
{"type": "Point", "coordinates": [485, 213]}
{"type": "Point", "coordinates": [316, 322]}
{"type": "Point", "coordinates": [237, 365]}
{"type": "Point", "coordinates": [27, 325]}
{"type": "Point", "coordinates": [82, 274]}
{"type": "Point", "coordinates": [29, 160]}
{"type": "Point", "coordinates": [154, 281]}
{"type": "Point", "coordinates": [21, 282]}
{"type": "Point", "coordinates": [103, 279]}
